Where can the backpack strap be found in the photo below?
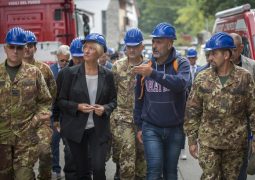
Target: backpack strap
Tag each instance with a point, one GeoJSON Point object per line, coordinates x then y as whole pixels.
{"type": "Point", "coordinates": [175, 66]}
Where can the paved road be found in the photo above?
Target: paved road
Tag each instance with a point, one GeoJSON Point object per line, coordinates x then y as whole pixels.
{"type": "Point", "coordinates": [187, 169]}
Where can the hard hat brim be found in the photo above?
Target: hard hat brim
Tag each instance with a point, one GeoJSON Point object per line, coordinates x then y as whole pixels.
{"type": "Point", "coordinates": [168, 37]}
{"type": "Point", "coordinates": [132, 44]}
{"type": "Point", "coordinates": [94, 41]}
{"type": "Point", "coordinates": [77, 54]}
{"type": "Point", "coordinates": [191, 56]}
{"type": "Point", "coordinates": [210, 49]}
{"type": "Point", "coordinates": [16, 43]}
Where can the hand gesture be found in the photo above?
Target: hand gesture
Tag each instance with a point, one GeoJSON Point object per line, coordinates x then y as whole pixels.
{"type": "Point", "coordinates": [143, 69]}
{"type": "Point", "coordinates": [99, 109]}
{"type": "Point", "coordinates": [85, 108]}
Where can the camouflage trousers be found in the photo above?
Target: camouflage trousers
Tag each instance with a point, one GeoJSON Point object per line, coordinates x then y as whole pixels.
{"type": "Point", "coordinates": [220, 164]}
{"type": "Point", "coordinates": [17, 161]}
{"type": "Point", "coordinates": [128, 152]}
{"type": "Point", "coordinates": [45, 156]}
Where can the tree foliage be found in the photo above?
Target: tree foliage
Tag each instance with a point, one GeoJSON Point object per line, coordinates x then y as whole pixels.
{"type": "Point", "coordinates": [209, 7]}
{"type": "Point", "coordinates": [156, 11]}
{"type": "Point", "coordinates": [188, 16]}
{"type": "Point", "coordinates": [192, 19]}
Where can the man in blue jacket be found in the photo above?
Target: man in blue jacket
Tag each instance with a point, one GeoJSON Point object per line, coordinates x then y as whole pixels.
{"type": "Point", "coordinates": [160, 96]}
{"type": "Point", "coordinates": [63, 55]}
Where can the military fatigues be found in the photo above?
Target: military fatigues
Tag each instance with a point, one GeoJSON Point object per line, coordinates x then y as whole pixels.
{"type": "Point", "coordinates": [126, 150]}
{"type": "Point", "coordinates": [216, 117]}
{"type": "Point", "coordinates": [21, 103]}
{"type": "Point", "coordinates": [45, 132]}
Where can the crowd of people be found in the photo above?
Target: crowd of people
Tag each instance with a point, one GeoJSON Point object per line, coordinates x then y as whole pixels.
{"type": "Point", "coordinates": [137, 110]}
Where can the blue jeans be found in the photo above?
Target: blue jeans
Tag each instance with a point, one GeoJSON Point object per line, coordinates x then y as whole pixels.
{"type": "Point", "coordinates": [162, 148]}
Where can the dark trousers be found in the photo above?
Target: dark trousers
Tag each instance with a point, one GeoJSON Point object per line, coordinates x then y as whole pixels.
{"type": "Point", "coordinates": [55, 149]}
{"type": "Point", "coordinates": [80, 152]}
{"type": "Point", "coordinates": [183, 141]}
{"type": "Point", "coordinates": [69, 168]}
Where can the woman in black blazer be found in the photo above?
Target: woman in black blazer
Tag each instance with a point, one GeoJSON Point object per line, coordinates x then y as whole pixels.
{"type": "Point", "coordinates": [86, 100]}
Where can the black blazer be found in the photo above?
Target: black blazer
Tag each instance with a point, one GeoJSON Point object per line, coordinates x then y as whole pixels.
{"type": "Point", "coordinates": [73, 91]}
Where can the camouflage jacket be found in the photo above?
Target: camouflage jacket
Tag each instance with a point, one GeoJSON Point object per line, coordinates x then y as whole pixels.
{"type": "Point", "coordinates": [48, 77]}
{"type": "Point", "coordinates": [20, 101]}
{"type": "Point", "coordinates": [216, 115]}
{"type": "Point", "coordinates": [125, 84]}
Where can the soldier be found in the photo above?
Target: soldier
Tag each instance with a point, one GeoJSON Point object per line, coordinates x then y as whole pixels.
{"type": "Point", "coordinates": [127, 151]}
{"type": "Point", "coordinates": [45, 131]}
{"type": "Point", "coordinates": [249, 64]}
{"type": "Point", "coordinates": [221, 99]}
{"type": "Point", "coordinates": [25, 102]}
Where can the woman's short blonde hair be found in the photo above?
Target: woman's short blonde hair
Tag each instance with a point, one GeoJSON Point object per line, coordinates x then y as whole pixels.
{"type": "Point", "coordinates": [99, 49]}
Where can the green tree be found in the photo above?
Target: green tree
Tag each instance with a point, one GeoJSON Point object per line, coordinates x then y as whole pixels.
{"type": "Point", "coordinates": [192, 19]}
{"type": "Point", "coordinates": [210, 7]}
{"type": "Point", "coordinates": [156, 11]}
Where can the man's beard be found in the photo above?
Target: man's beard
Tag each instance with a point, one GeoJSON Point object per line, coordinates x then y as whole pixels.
{"type": "Point", "coordinates": [214, 68]}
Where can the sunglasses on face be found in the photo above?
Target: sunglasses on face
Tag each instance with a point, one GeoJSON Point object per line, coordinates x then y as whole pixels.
{"type": "Point", "coordinates": [17, 47]}
{"type": "Point", "coordinates": [63, 60]}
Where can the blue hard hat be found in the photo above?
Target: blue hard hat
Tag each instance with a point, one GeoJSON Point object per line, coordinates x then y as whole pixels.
{"type": "Point", "coordinates": [133, 37]}
{"type": "Point", "coordinates": [16, 36]}
{"type": "Point", "coordinates": [164, 30]}
{"type": "Point", "coordinates": [31, 38]}
{"type": "Point", "coordinates": [76, 47]}
{"type": "Point", "coordinates": [98, 38]}
{"type": "Point", "coordinates": [191, 53]}
{"type": "Point", "coordinates": [220, 40]}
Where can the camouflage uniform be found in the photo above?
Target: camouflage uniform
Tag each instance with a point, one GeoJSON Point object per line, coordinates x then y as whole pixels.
{"type": "Point", "coordinates": [216, 117]}
{"type": "Point", "coordinates": [21, 103]}
{"type": "Point", "coordinates": [126, 150]}
{"type": "Point", "coordinates": [45, 132]}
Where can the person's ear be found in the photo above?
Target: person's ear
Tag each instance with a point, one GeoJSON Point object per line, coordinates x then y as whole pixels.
{"type": "Point", "coordinates": [170, 44]}
{"type": "Point", "coordinates": [227, 55]}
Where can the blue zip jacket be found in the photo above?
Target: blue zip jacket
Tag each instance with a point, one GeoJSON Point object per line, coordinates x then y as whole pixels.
{"type": "Point", "coordinates": [165, 93]}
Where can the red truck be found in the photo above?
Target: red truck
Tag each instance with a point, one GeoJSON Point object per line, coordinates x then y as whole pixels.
{"type": "Point", "coordinates": [54, 22]}
{"type": "Point", "coordinates": [240, 20]}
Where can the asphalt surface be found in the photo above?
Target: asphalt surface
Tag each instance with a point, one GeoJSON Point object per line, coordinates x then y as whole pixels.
{"type": "Point", "coordinates": [187, 169]}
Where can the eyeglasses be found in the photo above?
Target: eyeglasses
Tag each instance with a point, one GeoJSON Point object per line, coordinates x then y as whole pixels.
{"type": "Point", "coordinates": [63, 60]}
{"type": "Point", "coordinates": [17, 47]}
